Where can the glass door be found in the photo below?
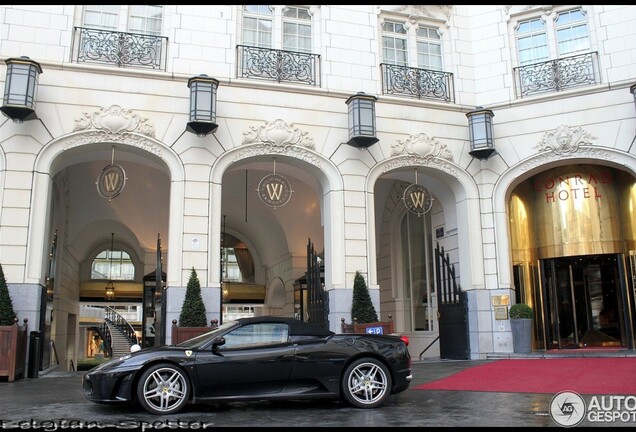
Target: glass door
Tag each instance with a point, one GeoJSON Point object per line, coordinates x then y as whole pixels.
{"type": "Point", "coordinates": [582, 307]}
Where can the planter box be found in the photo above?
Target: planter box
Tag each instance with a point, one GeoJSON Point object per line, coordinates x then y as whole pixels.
{"type": "Point", "coordinates": [521, 335]}
{"type": "Point", "coordinates": [13, 343]}
{"type": "Point", "coordinates": [181, 334]}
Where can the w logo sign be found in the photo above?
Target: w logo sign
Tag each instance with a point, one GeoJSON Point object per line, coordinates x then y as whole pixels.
{"type": "Point", "coordinates": [274, 190]}
{"type": "Point", "coordinates": [417, 199]}
{"type": "Point", "coordinates": [111, 181]}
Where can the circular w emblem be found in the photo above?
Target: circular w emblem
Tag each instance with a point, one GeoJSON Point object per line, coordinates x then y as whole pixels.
{"type": "Point", "coordinates": [111, 181]}
{"type": "Point", "coordinates": [274, 190]}
{"type": "Point", "coordinates": [417, 199]}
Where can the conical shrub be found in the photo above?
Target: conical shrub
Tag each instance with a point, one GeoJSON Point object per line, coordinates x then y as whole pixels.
{"type": "Point", "coordinates": [193, 310]}
{"type": "Point", "coordinates": [362, 308]}
{"type": "Point", "coordinates": [7, 314]}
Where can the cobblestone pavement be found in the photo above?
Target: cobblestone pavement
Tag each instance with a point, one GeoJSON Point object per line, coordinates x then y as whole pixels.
{"type": "Point", "coordinates": [55, 401]}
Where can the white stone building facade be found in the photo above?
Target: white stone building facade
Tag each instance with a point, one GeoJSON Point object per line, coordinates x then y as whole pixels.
{"type": "Point", "coordinates": [556, 78]}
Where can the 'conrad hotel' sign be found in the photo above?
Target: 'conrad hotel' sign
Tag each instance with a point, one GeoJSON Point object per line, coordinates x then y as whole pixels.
{"type": "Point", "coordinates": [572, 186]}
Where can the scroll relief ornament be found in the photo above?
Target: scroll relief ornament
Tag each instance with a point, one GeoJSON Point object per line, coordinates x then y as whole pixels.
{"type": "Point", "coordinates": [115, 120]}
{"type": "Point", "coordinates": [114, 125]}
{"type": "Point", "coordinates": [565, 140]}
{"type": "Point", "coordinates": [278, 137]}
{"type": "Point", "coordinates": [421, 146]}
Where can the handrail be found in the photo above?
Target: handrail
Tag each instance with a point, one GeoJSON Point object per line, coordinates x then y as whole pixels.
{"type": "Point", "coordinates": [429, 345]}
{"type": "Point", "coordinates": [122, 324]}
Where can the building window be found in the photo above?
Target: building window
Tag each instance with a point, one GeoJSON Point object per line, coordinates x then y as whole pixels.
{"type": "Point", "coordinates": [394, 43]}
{"type": "Point", "coordinates": [101, 17]}
{"type": "Point", "coordinates": [112, 265]}
{"type": "Point", "coordinates": [570, 30]}
{"type": "Point", "coordinates": [143, 19]}
{"type": "Point", "coordinates": [297, 29]}
{"type": "Point", "coordinates": [260, 29]}
{"type": "Point", "coordinates": [257, 25]}
{"type": "Point", "coordinates": [429, 49]}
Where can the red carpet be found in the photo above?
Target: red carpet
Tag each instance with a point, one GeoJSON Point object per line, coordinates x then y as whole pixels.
{"type": "Point", "coordinates": [615, 376]}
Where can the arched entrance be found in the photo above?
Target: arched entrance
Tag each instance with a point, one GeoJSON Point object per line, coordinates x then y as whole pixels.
{"type": "Point", "coordinates": [67, 206]}
{"type": "Point", "coordinates": [573, 243]}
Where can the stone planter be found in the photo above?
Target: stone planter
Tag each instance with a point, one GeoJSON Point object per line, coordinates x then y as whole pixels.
{"type": "Point", "coordinates": [521, 335]}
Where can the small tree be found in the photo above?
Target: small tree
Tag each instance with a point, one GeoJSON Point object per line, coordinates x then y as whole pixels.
{"type": "Point", "coordinates": [362, 308]}
{"type": "Point", "coordinates": [193, 310]}
{"type": "Point", "coordinates": [7, 314]}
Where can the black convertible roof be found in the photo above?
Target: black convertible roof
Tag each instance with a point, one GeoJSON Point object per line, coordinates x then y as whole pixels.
{"type": "Point", "coordinates": [296, 326]}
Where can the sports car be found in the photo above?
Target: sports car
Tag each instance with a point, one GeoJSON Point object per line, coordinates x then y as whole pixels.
{"type": "Point", "coordinates": [255, 359]}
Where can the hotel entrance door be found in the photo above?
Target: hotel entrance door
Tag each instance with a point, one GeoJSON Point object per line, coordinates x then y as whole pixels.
{"type": "Point", "coordinates": [583, 306]}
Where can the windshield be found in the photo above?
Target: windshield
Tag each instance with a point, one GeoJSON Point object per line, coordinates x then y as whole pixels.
{"type": "Point", "coordinates": [197, 341]}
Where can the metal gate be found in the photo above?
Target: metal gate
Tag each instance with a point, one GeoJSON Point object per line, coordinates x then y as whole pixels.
{"type": "Point", "coordinates": [452, 312]}
{"type": "Point", "coordinates": [317, 300]}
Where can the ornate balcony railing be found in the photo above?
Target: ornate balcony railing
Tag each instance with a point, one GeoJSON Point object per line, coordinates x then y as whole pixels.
{"type": "Point", "coordinates": [277, 65]}
{"type": "Point", "coordinates": [419, 83]}
{"type": "Point", "coordinates": [120, 49]}
{"type": "Point", "coordinates": [557, 75]}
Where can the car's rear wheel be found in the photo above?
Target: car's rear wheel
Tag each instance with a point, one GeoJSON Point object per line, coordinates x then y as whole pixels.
{"type": "Point", "coordinates": [163, 389]}
{"type": "Point", "coordinates": [366, 383]}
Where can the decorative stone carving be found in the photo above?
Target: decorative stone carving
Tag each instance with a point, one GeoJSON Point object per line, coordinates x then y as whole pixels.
{"type": "Point", "coordinates": [564, 140]}
{"type": "Point", "coordinates": [421, 146]}
{"type": "Point", "coordinates": [278, 137]}
{"type": "Point", "coordinates": [113, 125]}
{"type": "Point", "coordinates": [115, 120]}
{"type": "Point", "coordinates": [278, 134]}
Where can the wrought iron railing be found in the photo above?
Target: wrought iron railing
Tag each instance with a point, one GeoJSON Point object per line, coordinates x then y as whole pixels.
{"type": "Point", "coordinates": [122, 324]}
{"type": "Point", "coordinates": [419, 83]}
{"type": "Point", "coordinates": [277, 65]}
{"type": "Point", "coordinates": [557, 75]}
{"type": "Point", "coordinates": [121, 49]}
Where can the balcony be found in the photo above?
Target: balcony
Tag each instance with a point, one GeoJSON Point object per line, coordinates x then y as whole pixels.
{"type": "Point", "coordinates": [557, 75]}
{"type": "Point", "coordinates": [124, 50]}
{"type": "Point", "coordinates": [277, 65]}
{"type": "Point", "coordinates": [417, 83]}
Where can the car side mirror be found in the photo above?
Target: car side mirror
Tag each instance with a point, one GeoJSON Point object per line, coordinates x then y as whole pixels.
{"type": "Point", "coordinates": [218, 342]}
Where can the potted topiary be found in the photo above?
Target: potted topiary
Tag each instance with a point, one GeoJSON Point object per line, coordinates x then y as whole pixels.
{"type": "Point", "coordinates": [363, 314]}
{"type": "Point", "coordinates": [521, 318]}
{"type": "Point", "coordinates": [192, 319]}
{"type": "Point", "coordinates": [12, 336]}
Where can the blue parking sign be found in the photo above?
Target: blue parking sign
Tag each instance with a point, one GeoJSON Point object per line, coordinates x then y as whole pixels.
{"type": "Point", "coordinates": [375, 330]}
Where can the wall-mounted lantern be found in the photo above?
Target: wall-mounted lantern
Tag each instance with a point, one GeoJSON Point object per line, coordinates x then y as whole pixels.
{"type": "Point", "coordinates": [482, 143]}
{"type": "Point", "coordinates": [20, 89]}
{"type": "Point", "coordinates": [202, 105]}
{"type": "Point", "coordinates": [362, 120]}
{"type": "Point", "coordinates": [632, 90]}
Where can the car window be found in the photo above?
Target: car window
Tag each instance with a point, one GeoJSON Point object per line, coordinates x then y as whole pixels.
{"type": "Point", "coordinates": [257, 335]}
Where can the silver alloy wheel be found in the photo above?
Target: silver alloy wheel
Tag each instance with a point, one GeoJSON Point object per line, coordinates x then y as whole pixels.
{"type": "Point", "coordinates": [367, 384]}
{"type": "Point", "coordinates": [164, 390]}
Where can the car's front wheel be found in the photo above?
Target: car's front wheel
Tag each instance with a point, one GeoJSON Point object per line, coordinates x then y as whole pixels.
{"type": "Point", "coordinates": [163, 389]}
{"type": "Point", "coordinates": [366, 383]}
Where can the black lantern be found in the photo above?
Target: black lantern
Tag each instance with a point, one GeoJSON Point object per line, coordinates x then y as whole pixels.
{"type": "Point", "coordinates": [20, 88]}
{"type": "Point", "coordinates": [632, 90]}
{"type": "Point", "coordinates": [202, 105]}
{"type": "Point", "coordinates": [362, 120]}
{"type": "Point", "coordinates": [482, 144]}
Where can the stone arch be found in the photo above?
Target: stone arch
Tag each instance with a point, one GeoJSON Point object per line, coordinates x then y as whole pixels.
{"type": "Point", "coordinates": [294, 147]}
{"type": "Point", "coordinates": [554, 151]}
{"type": "Point", "coordinates": [426, 153]}
{"type": "Point", "coordinates": [104, 128]}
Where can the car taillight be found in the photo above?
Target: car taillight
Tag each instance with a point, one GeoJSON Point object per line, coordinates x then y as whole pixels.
{"type": "Point", "coordinates": [405, 339]}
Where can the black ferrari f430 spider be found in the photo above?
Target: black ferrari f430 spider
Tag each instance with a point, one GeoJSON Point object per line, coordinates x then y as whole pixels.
{"type": "Point", "coordinates": [255, 359]}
